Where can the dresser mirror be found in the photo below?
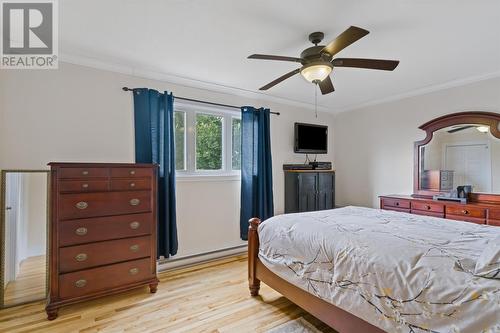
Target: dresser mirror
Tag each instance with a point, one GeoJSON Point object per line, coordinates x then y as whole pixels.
{"type": "Point", "coordinates": [23, 231]}
{"type": "Point", "coordinates": [460, 149]}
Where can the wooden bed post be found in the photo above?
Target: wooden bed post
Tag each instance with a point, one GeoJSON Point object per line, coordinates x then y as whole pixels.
{"type": "Point", "coordinates": [253, 252]}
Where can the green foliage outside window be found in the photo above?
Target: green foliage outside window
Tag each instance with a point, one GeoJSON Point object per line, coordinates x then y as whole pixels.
{"type": "Point", "coordinates": [208, 142]}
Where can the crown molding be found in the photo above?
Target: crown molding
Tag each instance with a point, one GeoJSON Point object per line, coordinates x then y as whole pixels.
{"type": "Point", "coordinates": [423, 91]}
{"type": "Point", "coordinates": [182, 81]}
{"type": "Point", "coordinates": [245, 93]}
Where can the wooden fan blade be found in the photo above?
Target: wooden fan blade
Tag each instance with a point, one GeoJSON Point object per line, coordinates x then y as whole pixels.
{"type": "Point", "coordinates": [326, 86]}
{"type": "Point", "coordinates": [345, 39]}
{"type": "Point", "coordinates": [386, 65]}
{"type": "Point", "coordinates": [273, 57]}
{"type": "Point", "coordinates": [460, 129]}
{"type": "Point", "coordinates": [281, 78]}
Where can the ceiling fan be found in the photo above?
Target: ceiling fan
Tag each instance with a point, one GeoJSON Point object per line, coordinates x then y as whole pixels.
{"type": "Point", "coordinates": [318, 62]}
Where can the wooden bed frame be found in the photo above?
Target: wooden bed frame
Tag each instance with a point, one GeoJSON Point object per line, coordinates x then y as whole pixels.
{"type": "Point", "coordinates": [338, 319]}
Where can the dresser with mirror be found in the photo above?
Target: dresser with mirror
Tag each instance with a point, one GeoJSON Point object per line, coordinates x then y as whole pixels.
{"type": "Point", "coordinates": [460, 150]}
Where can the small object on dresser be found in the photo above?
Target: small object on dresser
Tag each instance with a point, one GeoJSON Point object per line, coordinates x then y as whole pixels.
{"type": "Point", "coordinates": [102, 235]}
{"type": "Point", "coordinates": [464, 191]}
{"type": "Point", "coordinates": [297, 167]}
{"type": "Point", "coordinates": [441, 197]}
{"type": "Point", "coordinates": [321, 165]}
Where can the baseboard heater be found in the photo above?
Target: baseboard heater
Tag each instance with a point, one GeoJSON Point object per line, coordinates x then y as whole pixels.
{"type": "Point", "coordinates": [167, 264]}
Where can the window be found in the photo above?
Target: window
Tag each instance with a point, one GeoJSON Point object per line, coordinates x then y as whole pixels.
{"type": "Point", "coordinates": [207, 140]}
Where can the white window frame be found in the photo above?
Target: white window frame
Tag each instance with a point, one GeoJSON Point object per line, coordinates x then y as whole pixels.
{"type": "Point", "coordinates": [192, 109]}
{"type": "Point", "coordinates": [230, 157]}
{"type": "Point", "coordinates": [185, 142]}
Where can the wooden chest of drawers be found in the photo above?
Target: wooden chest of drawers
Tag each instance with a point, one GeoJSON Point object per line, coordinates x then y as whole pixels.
{"type": "Point", "coordinates": [471, 212]}
{"type": "Point", "coordinates": [103, 231]}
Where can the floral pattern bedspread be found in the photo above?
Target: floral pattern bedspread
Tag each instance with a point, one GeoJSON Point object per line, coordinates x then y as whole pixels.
{"type": "Point", "coordinates": [397, 271]}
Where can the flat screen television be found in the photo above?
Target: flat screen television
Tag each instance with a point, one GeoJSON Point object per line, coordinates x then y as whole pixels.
{"type": "Point", "coordinates": [311, 139]}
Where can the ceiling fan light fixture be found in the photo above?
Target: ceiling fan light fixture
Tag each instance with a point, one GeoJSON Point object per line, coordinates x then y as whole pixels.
{"type": "Point", "coordinates": [317, 61]}
{"type": "Point", "coordinates": [316, 71]}
{"type": "Point", "coordinates": [483, 129]}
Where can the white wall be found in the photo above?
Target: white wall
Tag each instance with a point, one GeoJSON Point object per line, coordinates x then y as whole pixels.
{"type": "Point", "coordinates": [374, 145]}
{"type": "Point", "coordinates": [12, 218]}
{"type": "Point", "coordinates": [21, 225]}
{"type": "Point", "coordinates": [81, 114]}
{"type": "Point", "coordinates": [35, 212]}
{"type": "Point", "coordinates": [32, 218]}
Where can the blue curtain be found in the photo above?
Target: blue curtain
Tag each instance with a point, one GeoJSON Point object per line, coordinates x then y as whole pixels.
{"type": "Point", "coordinates": [154, 143]}
{"type": "Point", "coordinates": [256, 167]}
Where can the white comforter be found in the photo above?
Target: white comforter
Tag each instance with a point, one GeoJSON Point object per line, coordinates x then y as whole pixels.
{"type": "Point", "coordinates": [397, 271]}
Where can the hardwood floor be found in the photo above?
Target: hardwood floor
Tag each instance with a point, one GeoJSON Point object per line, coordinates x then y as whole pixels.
{"type": "Point", "coordinates": [30, 283]}
{"type": "Point", "coordinates": [212, 297]}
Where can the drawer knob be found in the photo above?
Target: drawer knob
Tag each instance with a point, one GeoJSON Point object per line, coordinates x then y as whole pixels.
{"type": "Point", "coordinates": [132, 184]}
{"type": "Point", "coordinates": [428, 207]}
{"type": "Point", "coordinates": [81, 231]}
{"type": "Point", "coordinates": [397, 203]}
{"type": "Point", "coordinates": [132, 172]}
{"type": "Point", "coordinates": [85, 185]}
{"type": "Point", "coordinates": [134, 225]}
{"type": "Point", "coordinates": [465, 211]}
{"type": "Point", "coordinates": [81, 283]}
{"type": "Point", "coordinates": [133, 271]}
{"type": "Point", "coordinates": [134, 248]}
{"type": "Point", "coordinates": [81, 257]}
{"type": "Point", "coordinates": [135, 202]}
{"type": "Point", "coordinates": [82, 205]}
{"type": "Point", "coordinates": [85, 172]}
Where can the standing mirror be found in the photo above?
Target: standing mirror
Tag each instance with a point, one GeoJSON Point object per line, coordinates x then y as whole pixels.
{"type": "Point", "coordinates": [23, 231]}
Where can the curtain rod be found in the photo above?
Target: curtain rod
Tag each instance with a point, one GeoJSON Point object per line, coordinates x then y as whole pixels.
{"type": "Point", "coordinates": [204, 102]}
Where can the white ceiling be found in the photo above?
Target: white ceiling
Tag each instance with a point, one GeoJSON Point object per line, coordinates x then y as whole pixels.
{"type": "Point", "coordinates": [437, 42]}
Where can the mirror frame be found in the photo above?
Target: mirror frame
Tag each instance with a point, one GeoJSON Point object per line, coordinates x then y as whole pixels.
{"type": "Point", "coordinates": [3, 177]}
{"type": "Point", "coordinates": [490, 119]}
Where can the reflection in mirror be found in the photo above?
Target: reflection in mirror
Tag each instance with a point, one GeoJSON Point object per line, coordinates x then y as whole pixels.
{"type": "Point", "coordinates": [465, 154]}
{"type": "Point", "coordinates": [24, 215]}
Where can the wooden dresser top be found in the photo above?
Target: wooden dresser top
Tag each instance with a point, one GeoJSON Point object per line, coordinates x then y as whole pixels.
{"type": "Point", "coordinates": [99, 165]}
{"type": "Point", "coordinates": [444, 202]}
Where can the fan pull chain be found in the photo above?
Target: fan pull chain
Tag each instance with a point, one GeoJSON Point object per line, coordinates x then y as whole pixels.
{"type": "Point", "coordinates": [316, 99]}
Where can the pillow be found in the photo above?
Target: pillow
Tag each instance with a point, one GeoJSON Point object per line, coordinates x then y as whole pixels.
{"type": "Point", "coordinates": [488, 263]}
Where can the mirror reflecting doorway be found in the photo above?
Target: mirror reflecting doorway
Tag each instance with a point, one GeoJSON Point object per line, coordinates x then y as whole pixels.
{"type": "Point", "coordinates": [24, 216]}
{"type": "Point", "coordinates": [463, 154]}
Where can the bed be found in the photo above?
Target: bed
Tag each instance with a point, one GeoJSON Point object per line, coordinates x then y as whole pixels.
{"type": "Point", "coordinates": [363, 270]}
